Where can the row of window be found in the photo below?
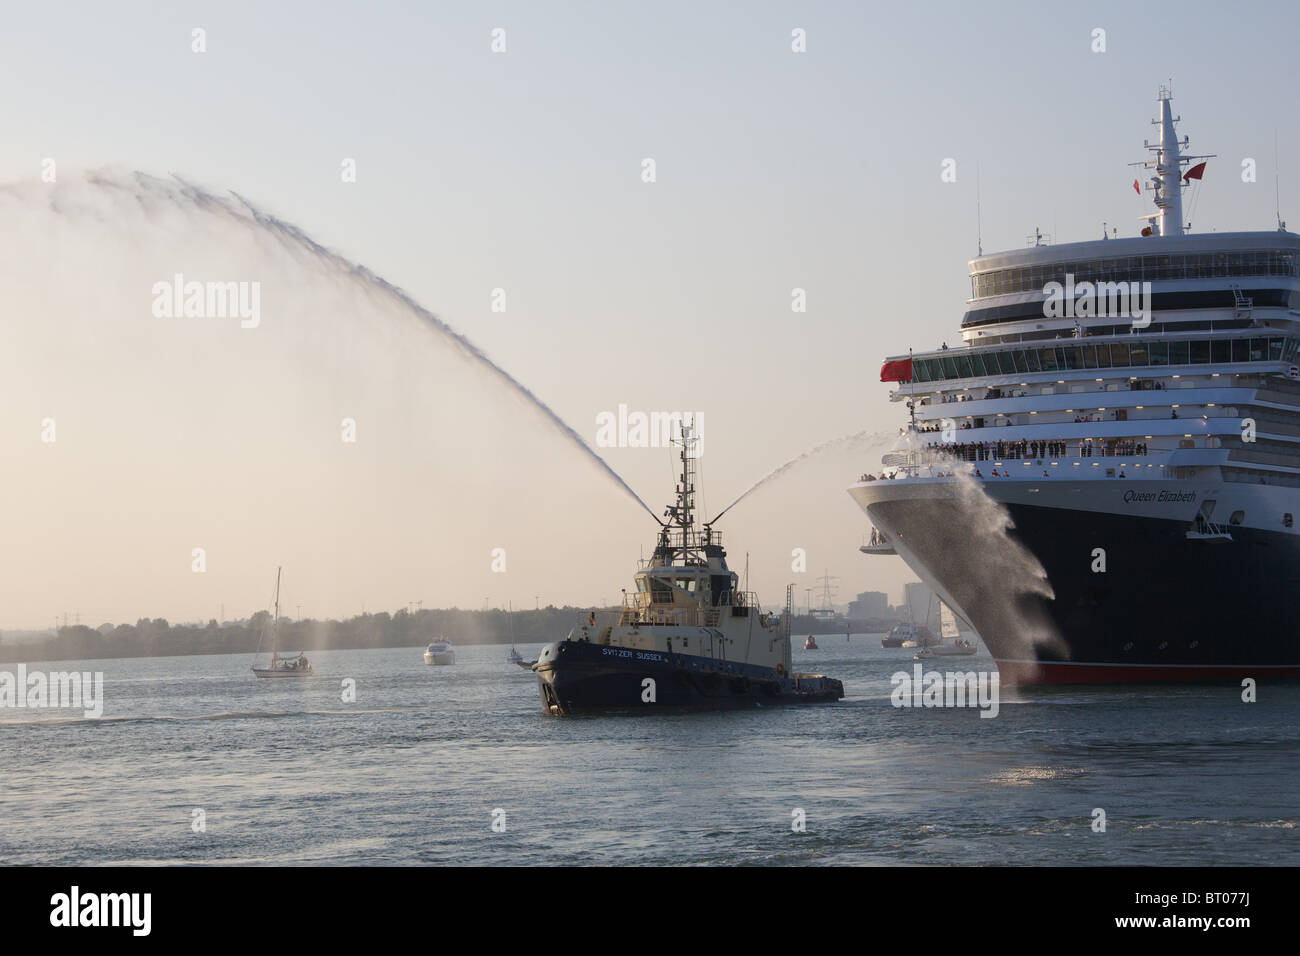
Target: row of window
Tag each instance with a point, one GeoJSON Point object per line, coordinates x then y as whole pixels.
{"type": "Point", "coordinates": [1209, 265]}
{"type": "Point", "coordinates": [1097, 331]}
{"type": "Point", "coordinates": [1160, 302]}
{"type": "Point", "coordinates": [975, 363]}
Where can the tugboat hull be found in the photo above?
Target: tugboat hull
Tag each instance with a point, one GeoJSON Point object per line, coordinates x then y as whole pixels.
{"type": "Point", "coordinates": [577, 677]}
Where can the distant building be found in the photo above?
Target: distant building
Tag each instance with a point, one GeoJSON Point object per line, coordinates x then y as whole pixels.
{"type": "Point", "coordinates": [870, 605]}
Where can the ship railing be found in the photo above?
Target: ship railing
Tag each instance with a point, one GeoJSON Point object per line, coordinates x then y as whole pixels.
{"type": "Point", "coordinates": [1011, 340]}
{"type": "Point", "coordinates": [634, 608]}
{"type": "Point", "coordinates": [876, 539]}
{"type": "Point", "coordinates": [988, 451]}
{"type": "Point", "coordinates": [1242, 304]}
{"type": "Point", "coordinates": [877, 543]}
{"type": "Point", "coordinates": [673, 616]}
{"type": "Point", "coordinates": [638, 609]}
{"type": "Point", "coordinates": [939, 464]}
{"type": "Point", "coordinates": [692, 538]}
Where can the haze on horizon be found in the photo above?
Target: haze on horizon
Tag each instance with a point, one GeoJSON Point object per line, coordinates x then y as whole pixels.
{"type": "Point", "coordinates": [521, 171]}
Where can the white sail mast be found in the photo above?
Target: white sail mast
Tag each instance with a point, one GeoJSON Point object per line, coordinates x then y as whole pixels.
{"type": "Point", "coordinates": [275, 623]}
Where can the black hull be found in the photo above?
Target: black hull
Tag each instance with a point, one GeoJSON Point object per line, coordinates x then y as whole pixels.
{"type": "Point", "coordinates": [1166, 608]}
{"type": "Point", "coordinates": [575, 677]}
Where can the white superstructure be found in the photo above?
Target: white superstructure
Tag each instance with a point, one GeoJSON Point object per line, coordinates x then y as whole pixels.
{"type": "Point", "coordinates": [1127, 406]}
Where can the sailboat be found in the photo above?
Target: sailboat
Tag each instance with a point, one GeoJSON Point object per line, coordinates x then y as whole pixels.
{"type": "Point", "coordinates": [297, 666]}
{"type": "Point", "coordinates": [957, 646]}
{"type": "Point", "coordinates": [514, 657]}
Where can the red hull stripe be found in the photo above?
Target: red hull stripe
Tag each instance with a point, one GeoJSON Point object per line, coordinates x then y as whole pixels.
{"type": "Point", "coordinates": [1077, 672]}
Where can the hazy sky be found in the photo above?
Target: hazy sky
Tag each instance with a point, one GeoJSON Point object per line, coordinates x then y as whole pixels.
{"type": "Point", "coordinates": [522, 171]}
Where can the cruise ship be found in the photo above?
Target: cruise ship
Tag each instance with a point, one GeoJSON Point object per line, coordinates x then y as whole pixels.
{"type": "Point", "coordinates": [1103, 477]}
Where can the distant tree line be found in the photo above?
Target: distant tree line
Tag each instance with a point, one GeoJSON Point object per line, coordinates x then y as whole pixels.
{"type": "Point", "coordinates": [157, 638]}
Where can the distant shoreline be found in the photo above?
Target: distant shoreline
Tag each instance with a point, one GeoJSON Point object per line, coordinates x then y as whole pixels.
{"type": "Point", "coordinates": [157, 638]}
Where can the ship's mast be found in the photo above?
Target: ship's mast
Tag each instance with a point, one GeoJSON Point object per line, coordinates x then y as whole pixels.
{"type": "Point", "coordinates": [1169, 172]}
{"type": "Point", "coordinates": [678, 534]}
{"type": "Point", "coordinates": [1168, 183]}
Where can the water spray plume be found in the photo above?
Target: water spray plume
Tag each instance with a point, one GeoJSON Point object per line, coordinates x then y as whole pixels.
{"type": "Point", "coordinates": [1021, 621]}
{"type": "Point", "coordinates": [151, 191]}
{"type": "Point", "coordinates": [861, 436]}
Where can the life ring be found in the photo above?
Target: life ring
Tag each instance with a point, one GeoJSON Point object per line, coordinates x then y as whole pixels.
{"type": "Point", "coordinates": [780, 670]}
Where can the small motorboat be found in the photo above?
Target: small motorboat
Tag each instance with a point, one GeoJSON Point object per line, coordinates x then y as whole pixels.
{"type": "Point", "coordinates": [514, 657]}
{"type": "Point", "coordinates": [810, 644]}
{"type": "Point", "coordinates": [440, 652]}
{"type": "Point", "coordinates": [908, 635]}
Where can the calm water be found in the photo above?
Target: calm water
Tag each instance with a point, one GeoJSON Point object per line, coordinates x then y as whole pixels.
{"type": "Point", "coordinates": [287, 773]}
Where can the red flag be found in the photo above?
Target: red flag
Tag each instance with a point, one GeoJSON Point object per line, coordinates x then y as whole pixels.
{"type": "Point", "coordinates": [1136, 188]}
{"type": "Point", "coordinates": [1196, 172]}
{"type": "Point", "coordinates": [900, 371]}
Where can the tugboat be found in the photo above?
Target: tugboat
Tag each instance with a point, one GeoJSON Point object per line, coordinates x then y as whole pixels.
{"type": "Point", "coordinates": [688, 638]}
{"type": "Point", "coordinates": [810, 644]}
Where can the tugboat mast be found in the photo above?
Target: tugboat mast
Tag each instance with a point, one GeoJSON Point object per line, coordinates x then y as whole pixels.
{"type": "Point", "coordinates": [679, 541]}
